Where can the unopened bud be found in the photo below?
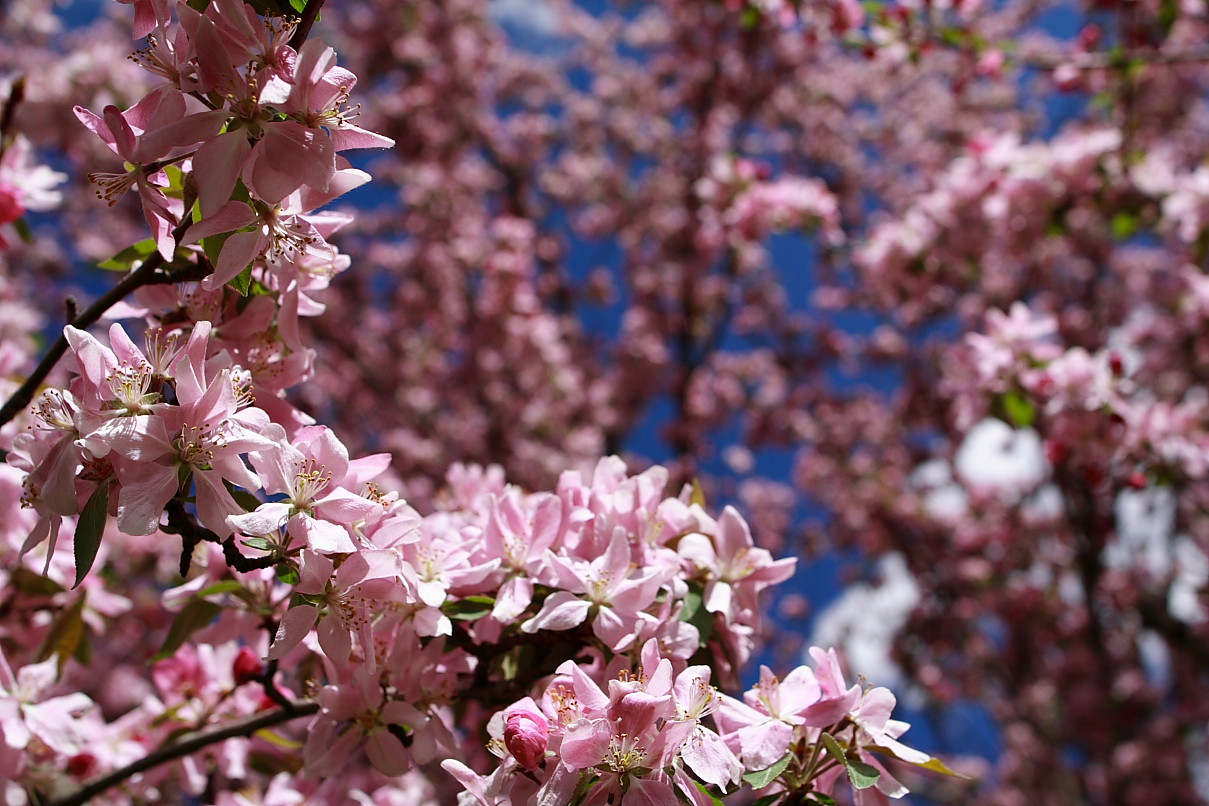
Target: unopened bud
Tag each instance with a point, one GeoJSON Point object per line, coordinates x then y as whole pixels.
{"type": "Point", "coordinates": [247, 666]}
{"type": "Point", "coordinates": [526, 735]}
{"type": "Point", "coordinates": [81, 766]}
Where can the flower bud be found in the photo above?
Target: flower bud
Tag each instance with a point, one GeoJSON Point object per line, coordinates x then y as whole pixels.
{"type": "Point", "coordinates": [525, 736]}
{"type": "Point", "coordinates": [247, 666]}
{"type": "Point", "coordinates": [82, 765]}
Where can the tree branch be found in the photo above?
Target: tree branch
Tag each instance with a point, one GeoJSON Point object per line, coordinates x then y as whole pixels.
{"type": "Point", "coordinates": [188, 745]}
{"type": "Point", "coordinates": [143, 275]}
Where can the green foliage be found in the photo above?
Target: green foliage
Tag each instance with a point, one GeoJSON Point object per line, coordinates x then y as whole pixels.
{"type": "Point", "coordinates": [469, 608]}
{"type": "Point", "coordinates": [66, 636]}
{"type": "Point", "coordinates": [707, 793]}
{"type": "Point", "coordinates": [694, 612]}
{"type": "Point", "coordinates": [1018, 410]}
{"type": "Point", "coordinates": [861, 775]}
{"type": "Point", "coordinates": [33, 584]}
{"type": "Point", "coordinates": [762, 778]}
{"type": "Point", "coordinates": [287, 574]}
{"type": "Point", "coordinates": [89, 528]}
{"type": "Point", "coordinates": [1124, 225]}
{"type": "Point", "coordinates": [123, 260]}
{"type": "Point", "coordinates": [196, 614]}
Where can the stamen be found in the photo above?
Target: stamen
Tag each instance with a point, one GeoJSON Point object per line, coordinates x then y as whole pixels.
{"type": "Point", "coordinates": [111, 187]}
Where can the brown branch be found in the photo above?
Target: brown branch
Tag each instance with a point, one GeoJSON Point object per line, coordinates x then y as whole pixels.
{"type": "Point", "coordinates": [143, 275]}
{"type": "Point", "coordinates": [188, 745]}
{"type": "Point", "coordinates": [7, 115]}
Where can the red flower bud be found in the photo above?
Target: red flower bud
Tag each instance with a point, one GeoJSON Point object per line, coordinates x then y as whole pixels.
{"type": "Point", "coordinates": [247, 666]}
{"type": "Point", "coordinates": [81, 766]}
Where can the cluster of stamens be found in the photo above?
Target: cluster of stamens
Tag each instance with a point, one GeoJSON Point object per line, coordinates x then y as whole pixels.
{"type": "Point", "coordinates": [309, 481]}
{"type": "Point", "coordinates": [374, 493]}
{"type": "Point", "coordinates": [31, 494]}
{"type": "Point", "coordinates": [625, 753]}
{"type": "Point", "coordinates": [195, 445]}
{"type": "Point", "coordinates": [161, 350]}
{"type": "Point", "coordinates": [130, 386]}
{"type": "Point", "coordinates": [702, 700]}
{"type": "Point", "coordinates": [769, 693]}
{"type": "Point", "coordinates": [111, 187]}
{"type": "Point", "coordinates": [242, 386]}
{"type": "Point", "coordinates": [278, 32]}
{"type": "Point", "coordinates": [565, 704]}
{"type": "Point", "coordinates": [636, 676]}
{"type": "Point", "coordinates": [284, 237]}
{"type": "Point", "coordinates": [53, 412]}
{"type": "Point", "coordinates": [159, 61]}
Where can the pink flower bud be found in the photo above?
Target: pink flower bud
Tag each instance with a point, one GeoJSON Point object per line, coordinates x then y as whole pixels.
{"type": "Point", "coordinates": [525, 736]}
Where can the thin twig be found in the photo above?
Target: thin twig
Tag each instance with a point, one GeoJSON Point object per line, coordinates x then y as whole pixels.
{"type": "Point", "coordinates": [15, 96]}
{"type": "Point", "coordinates": [139, 277]}
{"type": "Point", "coordinates": [186, 746]}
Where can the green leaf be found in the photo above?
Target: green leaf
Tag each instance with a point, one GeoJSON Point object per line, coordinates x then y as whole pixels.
{"type": "Point", "coordinates": [195, 615]}
{"type": "Point", "coordinates": [123, 260]}
{"type": "Point", "coordinates": [1124, 224]}
{"type": "Point", "coordinates": [936, 765]}
{"type": "Point", "coordinates": [287, 574]}
{"type": "Point", "coordinates": [834, 748]}
{"type": "Point", "coordinates": [768, 800]}
{"type": "Point", "coordinates": [862, 775]}
{"type": "Point", "coordinates": [212, 246]}
{"type": "Point", "coordinates": [242, 281]}
{"type": "Point", "coordinates": [34, 584]}
{"type": "Point", "coordinates": [823, 800]}
{"type": "Point", "coordinates": [750, 18]}
{"type": "Point", "coordinates": [298, 5]}
{"type": "Point", "coordinates": [762, 778]}
{"type": "Point", "coordinates": [260, 543]}
{"type": "Point", "coordinates": [932, 764]}
{"type": "Point", "coordinates": [23, 231]}
{"type": "Point", "coordinates": [219, 588]}
{"type": "Point", "coordinates": [468, 608]}
{"type": "Point", "coordinates": [1019, 409]}
{"type": "Point", "coordinates": [89, 528]}
{"type": "Point", "coordinates": [65, 635]}
{"type": "Point", "coordinates": [586, 779]}
{"type": "Point", "coordinates": [692, 603]}
{"type": "Point", "coordinates": [695, 613]}
{"type": "Point", "coordinates": [277, 740]}
{"type": "Point", "coordinates": [245, 499]}
{"type": "Point", "coordinates": [705, 791]}
{"type": "Point", "coordinates": [515, 662]}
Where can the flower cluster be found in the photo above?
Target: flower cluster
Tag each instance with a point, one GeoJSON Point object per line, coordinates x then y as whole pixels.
{"type": "Point", "coordinates": [641, 738]}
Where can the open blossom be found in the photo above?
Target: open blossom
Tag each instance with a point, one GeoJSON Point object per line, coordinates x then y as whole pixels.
{"type": "Point", "coordinates": [316, 511]}
{"type": "Point", "coordinates": [618, 593]}
{"type": "Point", "coordinates": [25, 184]}
{"type": "Point", "coordinates": [147, 136]}
{"type": "Point", "coordinates": [736, 570]}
